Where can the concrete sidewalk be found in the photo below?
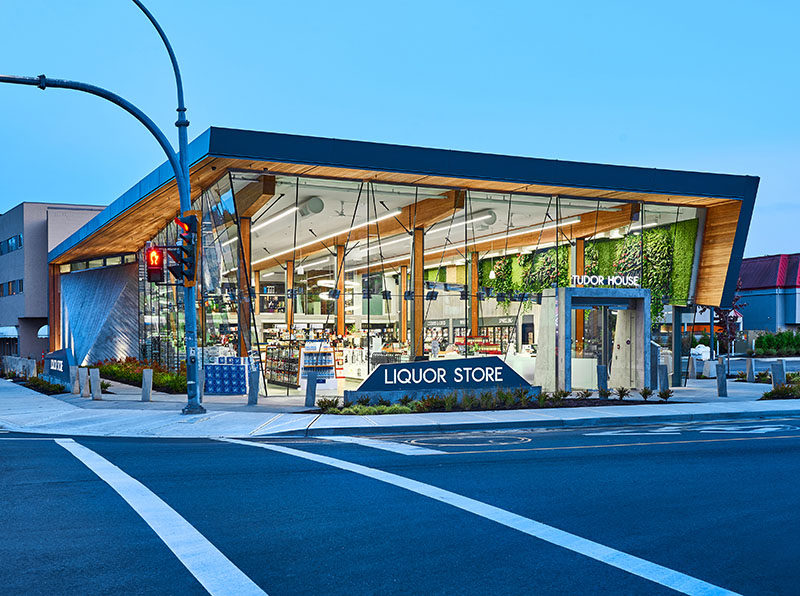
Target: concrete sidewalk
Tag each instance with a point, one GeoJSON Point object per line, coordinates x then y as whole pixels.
{"type": "Point", "coordinates": [25, 410]}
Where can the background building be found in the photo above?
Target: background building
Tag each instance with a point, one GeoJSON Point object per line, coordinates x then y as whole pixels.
{"type": "Point", "coordinates": [27, 233]}
{"type": "Point", "coordinates": [770, 291]}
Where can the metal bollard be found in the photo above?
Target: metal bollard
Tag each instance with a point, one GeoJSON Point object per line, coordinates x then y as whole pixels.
{"type": "Point", "coordinates": [722, 381]}
{"type": "Point", "coordinates": [663, 377]}
{"type": "Point", "coordinates": [83, 377]}
{"type": "Point", "coordinates": [147, 384]}
{"type": "Point", "coordinates": [94, 382]}
{"type": "Point", "coordinates": [778, 373]}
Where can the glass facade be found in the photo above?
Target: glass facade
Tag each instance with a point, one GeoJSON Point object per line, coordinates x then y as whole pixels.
{"type": "Point", "coordinates": [369, 266]}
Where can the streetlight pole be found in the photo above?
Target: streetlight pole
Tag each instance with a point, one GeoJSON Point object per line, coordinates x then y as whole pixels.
{"type": "Point", "coordinates": [180, 167]}
{"type": "Point", "coordinates": [189, 297]}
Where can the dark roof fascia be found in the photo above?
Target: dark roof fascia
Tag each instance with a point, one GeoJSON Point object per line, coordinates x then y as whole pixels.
{"type": "Point", "coordinates": [288, 148]}
{"type": "Point", "coordinates": [320, 151]}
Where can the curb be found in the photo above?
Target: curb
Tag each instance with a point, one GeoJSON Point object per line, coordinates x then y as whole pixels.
{"type": "Point", "coordinates": [522, 424]}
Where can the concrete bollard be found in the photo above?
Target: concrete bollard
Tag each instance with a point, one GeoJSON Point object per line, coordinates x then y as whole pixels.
{"type": "Point", "coordinates": [751, 373]}
{"type": "Point", "coordinates": [709, 369]}
{"type": "Point", "coordinates": [311, 389]}
{"type": "Point", "coordinates": [655, 360]}
{"type": "Point", "coordinates": [692, 369]}
{"type": "Point", "coordinates": [147, 384]}
{"type": "Point", "coordinates": [722, 381]}
{"type": "Point", "coordinates": [602, 377]}
{"type": "Point", "coordinates": [83, 376]}
{"type": "Point", "coordinates": [253, 379]}
{"type": "Point", "coordinates": [778, 370]}
{"type": "Point", "coordinates": [663, 377]}
{"type": "Point", "coordinates": [75, 386]}
{"type": "Point", "coordinates": [94, 383]}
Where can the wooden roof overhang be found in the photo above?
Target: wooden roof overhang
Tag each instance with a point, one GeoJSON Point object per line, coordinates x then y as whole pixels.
{"type": "Point", "coordinates": [146, 208]}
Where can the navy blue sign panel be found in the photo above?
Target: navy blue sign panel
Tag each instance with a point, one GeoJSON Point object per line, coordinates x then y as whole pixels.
{"type": "Point", "coordinates": [456, 373]}
{"type": "Point", "coordinates": [56, 366]}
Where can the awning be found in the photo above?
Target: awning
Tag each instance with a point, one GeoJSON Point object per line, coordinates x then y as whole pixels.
{"type": "Point", "coordinates": [44, 332]}
{"type": "Point", "coordinates": [7, 332]}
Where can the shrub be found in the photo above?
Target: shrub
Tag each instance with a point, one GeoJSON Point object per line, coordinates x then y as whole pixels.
{"type": "Point", "coordinates": [585, 394]}
{"type": "Point", "coordinates": [328, 403]}
{"type": "Point", "coordinates": [395, 409]}
{"type": "Point", "coordinates": [604, 393]}
{"type": "Point", "coordinates": [43, 386]}
{"type": "Point", "coordinates": [522, 395]}
{"type": "Point", "coordinates": [622, 392]}
{"type": "Point", "coordinates": [665, 394]}
{"type": "Point", "coordinates": [405, 400]}
{"type": "Point", "coordinates": [346, 403]}
{"type": "Point", "coordinates": [763, 377]}
{"type": "Point", "coordinates": [741, 376]}
{"type": "Point", "coordinates": [558, 396]}
{"type": "Point", "coordinates": [646, 392]}
{"type": "Point", "coordinates": [542, 399]}
{"type": "Point", "coordinates": [450, 401]}
{"type": "Point", "coordinates": [363, 400]}
{"type": "Point", "coordinates": [760, 353]}
{"type": "Point", "coordinates": [104, 386]}
{"type": "Point", "coordinates": [506, 398]}
{"type": "Point", "coordinates": [382, 401]}
{"type": "Point", "coordinates": [469, 402]}
{"type": "Point", "coordinates": [130, 370]}
{"type": "Point", "coordinates": [782, 392]}
{"type": "Point", "coordinates": [487, 399]}
{"type": "Point", "coordinates": [771, 352]}
{"type": "Point", "coordinates": [750, 352]}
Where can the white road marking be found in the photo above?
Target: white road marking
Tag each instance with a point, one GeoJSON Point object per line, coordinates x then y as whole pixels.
{"type": "Point", "coordinates": [676, 580]}
{"type": "Point", "coordinates": [740, 429]}
{"type": "Point", "coordinates": [209, 566]}
{"type": "Point", "coordinates": [402, 448]}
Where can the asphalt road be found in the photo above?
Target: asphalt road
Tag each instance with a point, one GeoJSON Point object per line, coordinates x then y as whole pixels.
{"type": "Point", "coordinates": [704, 507]}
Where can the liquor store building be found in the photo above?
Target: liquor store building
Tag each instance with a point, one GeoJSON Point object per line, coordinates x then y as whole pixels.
{"type": "Point", "coordinates": [394, 253]}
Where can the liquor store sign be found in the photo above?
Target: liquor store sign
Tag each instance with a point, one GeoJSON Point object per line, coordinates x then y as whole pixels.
{"type": "Point", "coordinates": [614, 281]}
{"type": "Point", "coordinates": [456, 373]}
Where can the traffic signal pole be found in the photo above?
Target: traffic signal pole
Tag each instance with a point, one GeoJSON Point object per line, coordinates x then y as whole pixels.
{"type": "Point", "coordinates": [180, 166]}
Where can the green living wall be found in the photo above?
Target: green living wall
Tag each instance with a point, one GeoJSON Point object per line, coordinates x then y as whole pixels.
{"type": "Point", "coordinates": [662, 257]}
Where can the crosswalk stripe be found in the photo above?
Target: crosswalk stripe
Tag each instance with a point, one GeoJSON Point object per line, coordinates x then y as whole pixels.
{"type": "Point", "coordinates": [209, 566]}
{"type": "Point", "coordinates": [401, 448]}
{"type": "Point", "coordinates": [653, 572]}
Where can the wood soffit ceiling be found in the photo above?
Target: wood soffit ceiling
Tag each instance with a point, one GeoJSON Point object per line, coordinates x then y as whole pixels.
{"type": "Point", "coordinates": [130, 230]}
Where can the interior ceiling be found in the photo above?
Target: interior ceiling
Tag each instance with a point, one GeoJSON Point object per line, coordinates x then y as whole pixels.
{"type": "Point", "coordinates": [129, 231]}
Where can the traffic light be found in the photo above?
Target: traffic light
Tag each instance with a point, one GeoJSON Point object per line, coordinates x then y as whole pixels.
{"type": "Point", "coordinates": [185, 255]}
{"type": "Point", "coordinates": [155, 265]}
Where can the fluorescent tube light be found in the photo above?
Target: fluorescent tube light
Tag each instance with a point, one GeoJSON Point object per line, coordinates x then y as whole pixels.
{"type": "Point", "coordinates": [329, 236]}
{"type": "Point", "coordinates": [274, 218]}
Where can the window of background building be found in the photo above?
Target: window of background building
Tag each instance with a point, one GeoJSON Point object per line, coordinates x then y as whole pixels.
{"type": "Point", "coordinates": [19, 286]}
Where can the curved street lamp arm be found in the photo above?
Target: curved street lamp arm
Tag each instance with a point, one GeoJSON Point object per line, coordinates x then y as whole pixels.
{"type": "Point", "coordinates": [43, 82]}
{"type": "Point", "coordinates": [173, 59]}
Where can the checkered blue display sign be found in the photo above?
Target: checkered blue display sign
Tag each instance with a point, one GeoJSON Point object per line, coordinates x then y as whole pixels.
{"type": "Point", "coordinates": [227, 377]}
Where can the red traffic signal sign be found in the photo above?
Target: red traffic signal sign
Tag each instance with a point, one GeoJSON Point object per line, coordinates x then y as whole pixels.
{"type": "Point", "coordinates": [186, 255]}
{"type": "Point", "coordinates": [155, 264]}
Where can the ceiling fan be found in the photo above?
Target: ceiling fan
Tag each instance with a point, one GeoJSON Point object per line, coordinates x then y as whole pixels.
{"type": "Point", "coordinates": [341, 212]}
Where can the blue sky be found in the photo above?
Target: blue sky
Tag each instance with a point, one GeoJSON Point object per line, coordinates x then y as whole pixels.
{"type": "Point", "coordinates": [710, 86]}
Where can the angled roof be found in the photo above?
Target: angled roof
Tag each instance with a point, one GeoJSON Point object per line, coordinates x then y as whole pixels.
{"type": "Point", "coordinates": [148, 205]}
